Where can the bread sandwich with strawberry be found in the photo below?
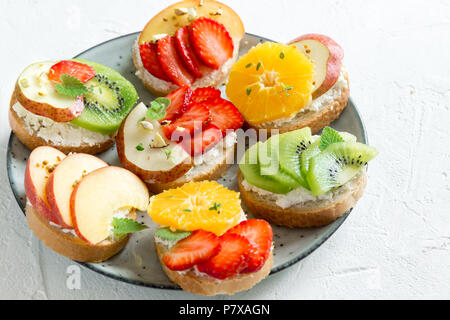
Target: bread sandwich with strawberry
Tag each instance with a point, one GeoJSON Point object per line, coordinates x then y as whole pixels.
{"type": "Point", "coordinates": [280, 88]}
{"type": "Point", "coordinates": [76, 206]}
{"type": "Point", "coordinates": [72, 105]}
{"type": "Point", "coordinates": [205, 243]}
{"type": "Point", "coordinates": [190, 135]}
{"type": "Point", "coordinates": [192, 43]}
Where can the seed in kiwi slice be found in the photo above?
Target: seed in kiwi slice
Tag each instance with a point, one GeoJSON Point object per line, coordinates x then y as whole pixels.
{"type": "Point", "coordinates": [291, 146]}
{"type": "Point", "coordinates": [314, 149]}
{"type": "Point", "coordinates": [108, 102]}
{"type": "Point", "coordinates": [280, 183]}
{"type": "Point", "coordinates": [337, 164]}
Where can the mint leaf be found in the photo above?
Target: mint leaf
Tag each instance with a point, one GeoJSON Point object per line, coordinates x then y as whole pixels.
{"type": "Point", "coordinates": [329, 136]}
{"type": "Point", "coordinates": [123, 226]}
{"type": "Point", "coordinates": [167, 234]}
{"type": "Point", "coordinates": [71, 86]}
{"type": "Point", "coordinates": [157, 110]}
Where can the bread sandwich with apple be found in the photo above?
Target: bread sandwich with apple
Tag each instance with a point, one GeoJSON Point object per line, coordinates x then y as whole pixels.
{"type": "Point", "coordinates": [72, 105]}
{"type": "Point", "coordinates": [191, 43]}
{"type": "Point", "coordinates": [282, 88]}
{"type": "Point", "coordinates": [190, 135]}
{"type": "Point", "coordinates": [76, 204]}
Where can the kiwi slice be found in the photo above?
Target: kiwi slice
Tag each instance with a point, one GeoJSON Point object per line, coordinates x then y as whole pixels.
{"type": "Point", "coordinates": [314, 149]}
{"type": "Point", "coordinates": [108, 102]}
{"type": "Point", "coordinates": [337, 164]}
{"type": "Point", "coordinates": [251, 171]}
{"type": "Point", "coordinates": [291, 146]}
{"type": "Point", "coordinates": [167, 234]}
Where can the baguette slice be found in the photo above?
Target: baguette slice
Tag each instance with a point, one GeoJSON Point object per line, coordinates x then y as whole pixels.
{"type": "Point", "coordinates": [193, 283]}
{"type": "Point", "coordinates": [32, 141]}
{"type": "Point", "coordinates": [69, 245]}
{"type": "Point", "coordinates": [213, 171]}
{"type": "Point", "coordinates": [316, 120]}
{"type": "Point", "coordinates": [304, 215]}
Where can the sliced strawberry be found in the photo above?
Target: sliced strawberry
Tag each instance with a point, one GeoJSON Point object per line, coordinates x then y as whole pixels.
{"type": "Point", "coordinates": [179, 101]}
{"type": "Point", "coordinates": [259, 234]}
{"type": "Point", "coordinates": [202, 140]}
{"type": "Point", "coordinates": [230, 260]}
{"type": "Point", "coordinates": [224, 114]}
{"type": "Point", "coordinates": [172, 64]}
{"type": "Point", "coordinates": [187, 53]}
{"type": "Point", "coordinates": [198, 247]}
{"type": "Point", "coordinates": [149, 57]}
{"type": "Point", "coordinates": [212, 42]}
{"type": "Point", "coordinates": [195, 118]}
{"type": "Point", "coordinates": [81, 71]}
{"type": "Point", "coordinates": [203, 94]}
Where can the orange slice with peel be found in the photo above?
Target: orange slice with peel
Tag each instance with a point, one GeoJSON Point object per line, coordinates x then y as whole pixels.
{"type": "Point", "coordinates": [205, 205]}
{"type": "Point", "coordinates": [272, 81]}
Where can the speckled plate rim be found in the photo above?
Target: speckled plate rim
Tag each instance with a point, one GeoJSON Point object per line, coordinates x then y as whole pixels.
{"type": "Point", "coordinates": [304, 254]}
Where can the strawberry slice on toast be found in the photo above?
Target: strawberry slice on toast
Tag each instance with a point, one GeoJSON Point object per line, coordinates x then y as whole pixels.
{"type": "Point", "coordinates": [78, 70]}
{"type": "Point", "coordinates": [200, 246]}
{"type": "Point", "coordinates": [187, 53]}
{"type": "Point", "coordinates": [172, 63]}
{"type": "Point", "coordinates": [224, 114]}
{"type": "Point", "coordinates": [212, 42]}
{"type": "Point", "coordinates": [206, 93]}
{"type": "Point", "coordinates": [179, 101]}
{"type": "Point", "coordinates": [149, 56]}
{"type": "Point", "coordinates": [202, 141]}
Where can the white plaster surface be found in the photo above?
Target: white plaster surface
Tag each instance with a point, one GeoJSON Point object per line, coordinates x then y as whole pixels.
{"type": "Point", "coordinates": [396, 244]}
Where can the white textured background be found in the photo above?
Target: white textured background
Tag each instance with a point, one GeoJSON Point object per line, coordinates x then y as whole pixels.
{"type": "Point", "coordinates": [396, 244]}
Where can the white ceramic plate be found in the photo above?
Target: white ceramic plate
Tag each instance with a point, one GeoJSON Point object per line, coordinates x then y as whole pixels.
{"type": "Point", "coordinates": [138, 264]}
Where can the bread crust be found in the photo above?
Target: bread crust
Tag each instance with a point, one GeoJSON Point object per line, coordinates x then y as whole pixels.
{"type": "Point", "coordinates": [206, 286]}
{"type": "Point", "coordinates": [67, 244]}
{"type": "Point", "coordinates": [311, 214]}
{"type": "Point", "coordinates": [214, 173]}
{"type": "Point", "coordinates": [316, 120]}
{"type": "Point", "coordinates": [17, 125]}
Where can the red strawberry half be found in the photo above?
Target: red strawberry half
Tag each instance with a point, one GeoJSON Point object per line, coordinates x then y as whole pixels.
{"type": "Point", "coordinates": [187, 53]}
{"type": "Point", "coordinates": [259, 234]}
{"type": "Point", "coordinates": [230, 260]}
{"type": "Point", "coordinates": [149, 57]}
{"type": "Point", "coordinates": [206, 93]}
{"type": "Point", "coordinates": [194, 119]}
{"type": "Point", "coordinates": [202, 140]}
{"type": "Point", "coordinates": [212, 42]}
{"type": "Point", "coordinates": [172, 64]}
{"type": "Point", "coordinates": [179, 101]}
{"type": "Point", "coordinates": [81, 71]}
{"type": "Point", "coordinates": [224, 114]}
{"type": "Point", "coordinates": [198, 247]}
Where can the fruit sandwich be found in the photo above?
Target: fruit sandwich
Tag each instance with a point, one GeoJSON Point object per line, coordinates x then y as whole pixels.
{"type": "Point", "coordinates": [299, 180]}
{"type": "Point", "coordinates": [205, 243]}
{"type": "Point", "coordinates": [282, 88]}
{"type": "Point", "coordinates": [75, 205]}
{"type": "Point", "coordinates": [187, 136]}
{"type": "Point", "coordinates": [191, 43]}
{"type": "Point", "coordinates": [72, 105]}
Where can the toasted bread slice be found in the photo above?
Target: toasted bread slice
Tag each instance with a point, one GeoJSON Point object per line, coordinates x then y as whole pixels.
{"type": "Point", "coordinates": [158, 87]}
{"type": "Point", "coordinates": [67, 244]}
{"type": "Point", "coordinates": [32, 141]}
{"type": "Point", "coordinates": [206, 171]}
{"type": "Point", "coordinates": [316, 120]}
{"type": "Point", "coordinates": [309, 214]}
{"type": "Point", "coordinates": [207, 286]}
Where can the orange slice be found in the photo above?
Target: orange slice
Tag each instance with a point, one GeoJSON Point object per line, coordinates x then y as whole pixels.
{"type": "Point", "coordinates": [203, 205]}
{"type": "Point", "coordinates": [272, 81]}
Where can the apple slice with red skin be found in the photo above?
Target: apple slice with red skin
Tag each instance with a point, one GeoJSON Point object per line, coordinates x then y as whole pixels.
{"type": "Point", "coordinates": [41, 163]}
{"type": "Point", "coordinates": [327, 57]}
{"type": "Point", "coordinates": [63, 180]}
{"type": "Point", "coordinates": [36, 93]}
{"type": "Point", "coordinates": [99, 196]}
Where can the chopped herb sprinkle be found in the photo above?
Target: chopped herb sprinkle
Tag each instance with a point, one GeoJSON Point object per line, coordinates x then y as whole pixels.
{"type": "Point", "coordinates": [249, 91]}
{"type": "Point", "coordinates": [140, 147]}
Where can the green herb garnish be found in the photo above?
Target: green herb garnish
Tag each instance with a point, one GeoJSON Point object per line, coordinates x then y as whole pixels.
{"type": "Point", "coordinates": [187, 210]}
{"type": "Point", "coordinates": [157, 110]}
{"type": "Point", "coordinates": [249, 65]}
{"type": "Point", "coordinates": [71, 86]}
{"type": "Point", "coordinates": [282, 55]}
{"type": "Point", "coordinates": [329, 136]}
{"type": "Point", "coordinates": [215, 207]}
{"type": "Point", "coordinates": [140, 147]}
{"type": "Point", "coordinates": [168, 153]}
{"type": "Point", "coordinates": [258, 66]}
{"type": "Point", "coordinates": [123, 226]}
{"type": "Point", "coordinates": [249, 91]}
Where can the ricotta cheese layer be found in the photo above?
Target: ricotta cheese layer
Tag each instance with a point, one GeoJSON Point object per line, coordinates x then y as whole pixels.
{"type": "Point", "coordinates": [317, 104]}
{"type": "Point", "coordinates": [57, 133]}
